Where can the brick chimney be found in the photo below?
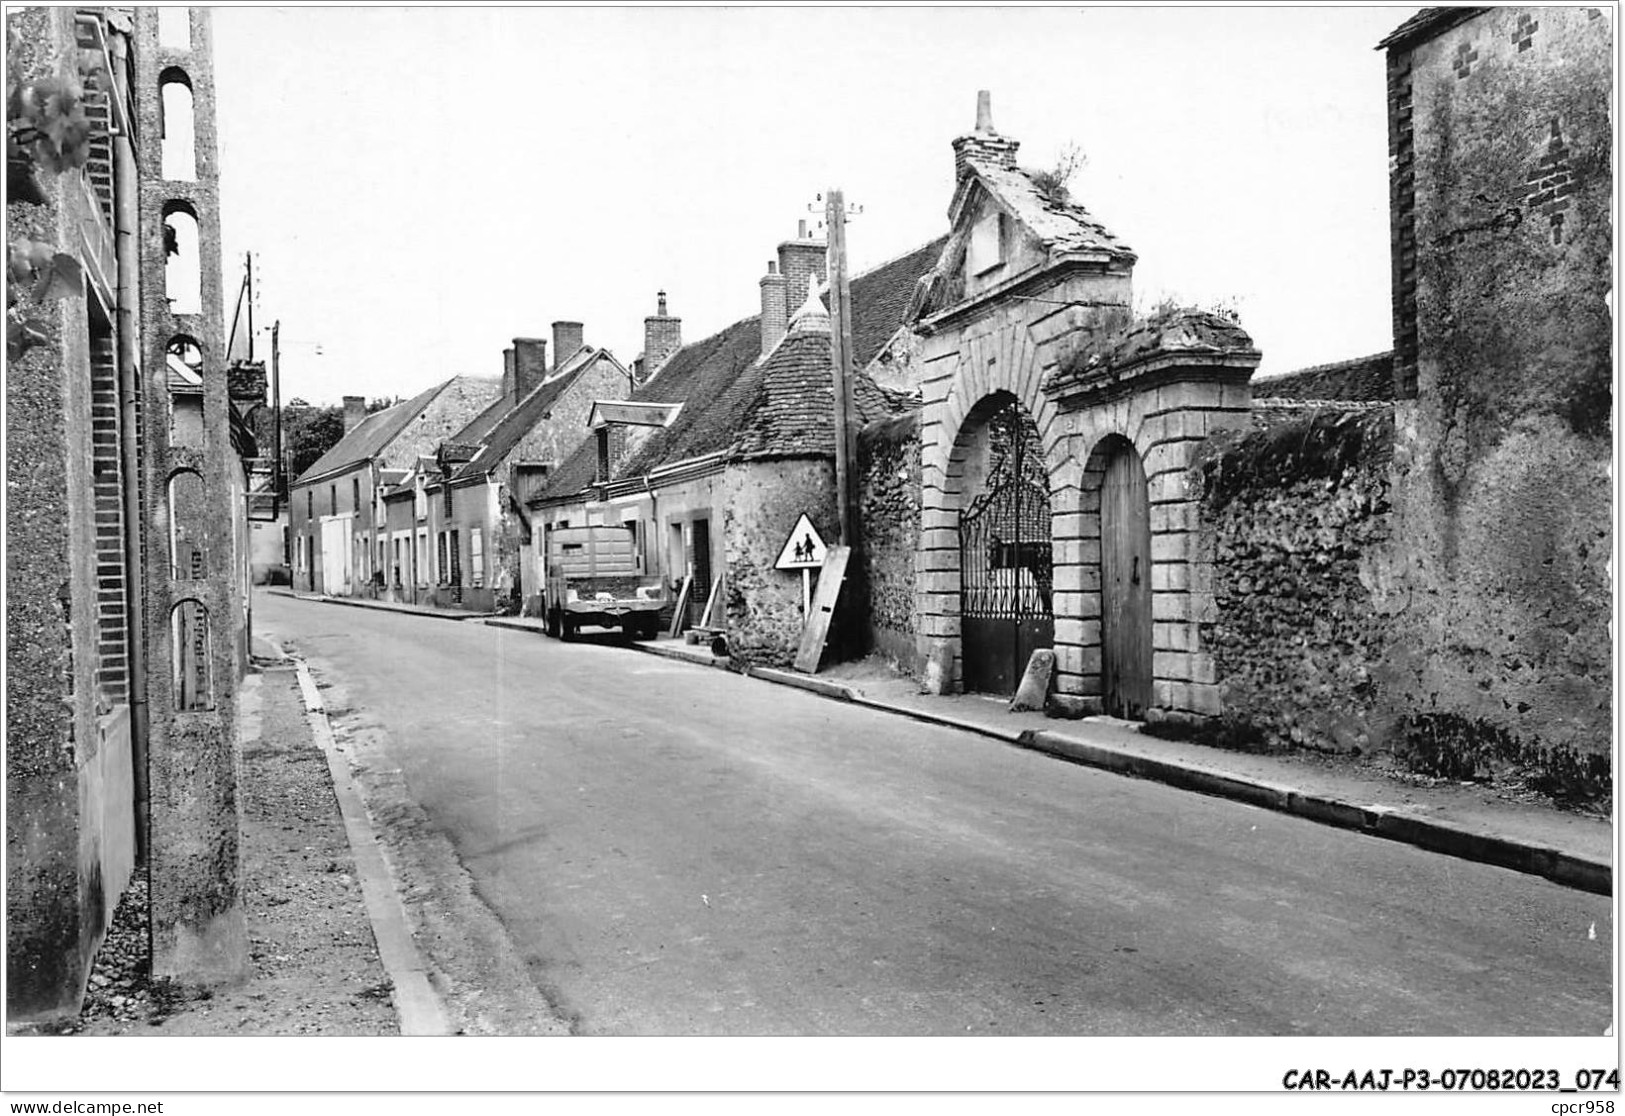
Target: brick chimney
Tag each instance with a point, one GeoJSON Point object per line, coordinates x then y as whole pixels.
{"type": "Point", "coordinates": [662, 336]}
{"type": "Point", "coordinates": [799, 259]}
{"type": "Point", "coordinates": [355, 411]}
{"type": "Point", "coordinates": [566, 340]}
{"type": "Point", "coordinates": [530, 365]}
{"type": "Point", "coordinates": [984, 144]}
{"type": "Point", "coordinates": [775, 308]}
{"type": "Point", "coordinates": [507, 374]}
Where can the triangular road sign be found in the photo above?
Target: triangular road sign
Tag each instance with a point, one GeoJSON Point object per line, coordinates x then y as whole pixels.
{"type": "Point", "coordinates": [804, 549]}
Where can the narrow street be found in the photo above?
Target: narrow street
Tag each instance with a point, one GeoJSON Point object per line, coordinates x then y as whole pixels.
{"type": "Point", "coordinates": [682, 851]}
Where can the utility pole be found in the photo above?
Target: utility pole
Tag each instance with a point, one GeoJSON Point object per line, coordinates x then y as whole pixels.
{"type": "Point", "coordinates": [840, 340]}
{"type": "Point", "coordinates": [276, 417]}
{"type": "Point", "coordinates": [251, 308]}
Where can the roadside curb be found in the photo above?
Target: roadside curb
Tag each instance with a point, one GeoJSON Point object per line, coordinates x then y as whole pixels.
{"type": "Point", "coordinates": [1567, 869]}
{"type": "Point", "coordinates": [416, 1003]}
{"type": "Point", "coordinates": [1375, 821]}
{"type": "Point", "coordinates": [511, 625]}
{"type": "Point", "coordinates": [1385, 822]}
{"type": "Point", "coordinates": [835, 690]}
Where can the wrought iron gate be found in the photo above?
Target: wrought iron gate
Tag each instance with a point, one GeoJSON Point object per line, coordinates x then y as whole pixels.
{"type": "Point", "coordinates": [1005, 559]}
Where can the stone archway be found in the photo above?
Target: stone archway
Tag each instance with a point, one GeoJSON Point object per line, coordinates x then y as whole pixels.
{"type": "Point", "coordinates": [998, 479]}
{"type": "Point", "coordinates": [980, 376]}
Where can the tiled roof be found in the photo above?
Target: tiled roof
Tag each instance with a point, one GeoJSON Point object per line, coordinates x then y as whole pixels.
{"type": "Point", "coordinates": [480, 426]}
{"type": "Point", "coordinates": [1427, 23]}
{"type": "Point", "coordinates": [1367, 379]}
{"type": "Point", "coordinates": [731, 402]}
{"type": "Point", "coordinates": [373, 434]}
{"type": "Point", "coordinates": [881, 295]}
{"type": "Point", "coordinates": [791, 409]}
{"type": "Point", "coordinates": [529, 411]}
{"type": "Point", "coordinates": [1060, 225]}
{"type": "Point", "coordinates": [696, 373]}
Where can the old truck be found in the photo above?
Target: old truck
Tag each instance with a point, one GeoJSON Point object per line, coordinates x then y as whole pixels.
{"type": "Point", "coordinates": [594, 579]}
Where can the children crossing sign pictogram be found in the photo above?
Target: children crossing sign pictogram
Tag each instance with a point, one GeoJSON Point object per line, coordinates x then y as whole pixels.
{"type": "Point", "coordinates": [804, 549]}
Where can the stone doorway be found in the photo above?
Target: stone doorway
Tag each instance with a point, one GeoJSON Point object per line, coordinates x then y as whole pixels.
{"type": "Point", "coordinates": [1125, 580]}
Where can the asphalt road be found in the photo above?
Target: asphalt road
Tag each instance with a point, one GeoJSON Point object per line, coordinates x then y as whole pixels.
{"type": "Point", "coordinates": [676, 850]}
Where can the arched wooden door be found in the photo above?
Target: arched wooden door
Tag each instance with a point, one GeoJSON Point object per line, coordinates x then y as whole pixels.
{"type": "Point", "coordinates": [1005, 557]}
{"type": "Point", "coordinates": [1125, 584]}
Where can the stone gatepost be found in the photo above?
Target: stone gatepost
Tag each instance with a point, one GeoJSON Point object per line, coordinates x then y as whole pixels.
{"type": "Point", "coordinates": [1161, 387]}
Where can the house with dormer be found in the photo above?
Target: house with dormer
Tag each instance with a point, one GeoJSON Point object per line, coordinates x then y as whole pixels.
{"type": "Point", "coordinates": [710, 464]}
{"type": "Point", "coordinates": [454, 528]}
{"type": "Point", "coordinates": [336, 506]}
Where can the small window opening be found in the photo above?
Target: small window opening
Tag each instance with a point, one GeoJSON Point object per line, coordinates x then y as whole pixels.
{"type": "Point", "coordinates": [177, 127]}
{"type": "Point", "coordinates": [183, 279]}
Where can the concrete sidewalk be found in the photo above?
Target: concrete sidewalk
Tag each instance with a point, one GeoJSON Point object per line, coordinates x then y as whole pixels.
{"type": "Point", "coordinates": [1466, 820]}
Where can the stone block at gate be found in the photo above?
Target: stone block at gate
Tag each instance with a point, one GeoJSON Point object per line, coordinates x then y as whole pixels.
{"type": "Point", "coordinates": [938, 678]}
{"type": "Point", "coordinates": [1034, 688]}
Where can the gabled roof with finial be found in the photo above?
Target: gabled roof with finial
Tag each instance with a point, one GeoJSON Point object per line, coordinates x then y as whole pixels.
{"type": "Point", "coordinates": [1040, 206]}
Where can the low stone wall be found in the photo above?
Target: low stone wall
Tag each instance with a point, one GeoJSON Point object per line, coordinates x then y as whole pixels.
{"type": "Point", "coordinates": [888, 474]}
{"type": "Point", "coordinates": [1294, 519]}
{"type": "Point", "coordinates": [761, 502]}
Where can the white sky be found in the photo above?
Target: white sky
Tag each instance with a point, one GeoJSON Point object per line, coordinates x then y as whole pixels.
{"type": "Point", "coordinates": [421, 185]}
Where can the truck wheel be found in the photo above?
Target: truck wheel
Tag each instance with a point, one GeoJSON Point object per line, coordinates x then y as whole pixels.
{"type": "Point", "coordinates": [567, 628]}
{"type": "Point", "coordinates": [553, 623]}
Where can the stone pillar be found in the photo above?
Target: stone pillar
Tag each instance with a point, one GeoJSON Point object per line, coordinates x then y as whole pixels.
{"type": "Point", "coordinates": [1164, 386]}
{"type": "Point", "coordinates": [198, 932]}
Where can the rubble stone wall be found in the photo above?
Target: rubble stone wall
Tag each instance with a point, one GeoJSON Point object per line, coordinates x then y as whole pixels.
{"type": "Point", "coordinates": [888, 470]}
{"type": "Point", "coordinates": [1295, 518]}
{"type": "Point", "coordinates": [761, 502]}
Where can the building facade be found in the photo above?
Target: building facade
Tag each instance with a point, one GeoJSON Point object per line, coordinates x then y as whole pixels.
{"type": "Point", "coordinates": [128, 461]}
{"type": "Point", "coordinates": [483, 473]}
{"type": "Point", "coordinates": [715, 458]}
{"type": "Point", "coordinates": [1501, 209]}
{"type": "Point", "coordinates": [335, 507]}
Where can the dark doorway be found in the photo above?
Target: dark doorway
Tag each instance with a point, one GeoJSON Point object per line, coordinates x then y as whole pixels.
{"type": "Point", "coordinates": [700, 562]}
{"type": "Point", "coordinates": [1125, 584]}
{"type": "Point", "coordinates": [1005, 558]}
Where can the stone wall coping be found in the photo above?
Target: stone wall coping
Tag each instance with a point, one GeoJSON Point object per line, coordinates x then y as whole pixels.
{"type": "Point", "coordinates": [1107, 382]}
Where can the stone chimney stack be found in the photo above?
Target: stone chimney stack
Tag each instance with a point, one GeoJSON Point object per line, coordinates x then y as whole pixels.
{"type": "Point", "coordinates": [355, 411]}
{"type": "Point", "coordinates": [529, 365]}
{"type": "Point", "coordinates": [507, 374]}
{"type": "Point", "coordinates": [800, 260]}
{"type": "Point", "coordinates": [566, 340]}
{"type": "Point", "coordinates": [662, 336]}
{"type": "Point", "coordinates": [775, 306]}
{"type": "Point", "coordinates": [984, 144]}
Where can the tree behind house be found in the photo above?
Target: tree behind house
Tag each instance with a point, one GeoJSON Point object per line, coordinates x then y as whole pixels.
{"type": "Point", "coordinates": [309, 431]}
